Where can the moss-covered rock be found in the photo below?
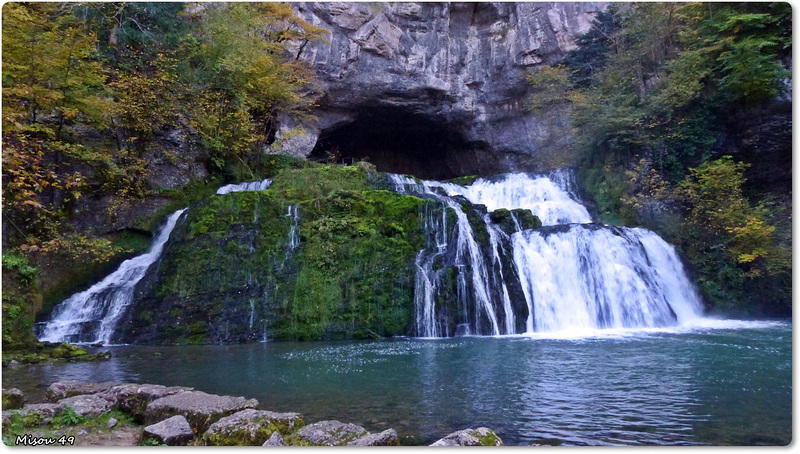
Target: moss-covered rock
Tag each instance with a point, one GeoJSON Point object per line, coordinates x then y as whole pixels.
{"type": "Point", "coordinates": [251, 428]}
{"type": "Point", "coordinates": [12, 399]}
{"type": "Point", "coordinates": [231, 271]}
{"type": "Point", "coordinates": [482, 436]}
{"type": "Point", "coordinates": [327, 433]}
{"type": "Point", "coordinates": [527, 220]}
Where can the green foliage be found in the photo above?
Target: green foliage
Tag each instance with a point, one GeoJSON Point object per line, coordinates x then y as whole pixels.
{"type": "Point", "coordinates": [20, 265]}
{"type": "Point", "coordinates": [67, 417]}
{"type": "Point", "coordinates": [551, 84]}
{"type": "Point", "coordinates": [653, 88]}
{"type": "Point", "coordinates": [728, 222]}
{"type": "Point", "coordinates": [317, 182]}
{"type": "Point", "coordinates": [19, 281]}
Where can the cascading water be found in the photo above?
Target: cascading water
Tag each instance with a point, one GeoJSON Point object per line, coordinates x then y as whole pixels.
{"type": "Point", "coordinates": [246, 186]}
{"type": "Point", "coordinates": [294, 233]}
{"type": "Point", "coordinates": [573, 274]}
{"type": "Point", "coordinates": [91, 316]}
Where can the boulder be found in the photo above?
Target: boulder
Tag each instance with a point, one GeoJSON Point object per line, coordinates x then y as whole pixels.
{"type": "Point", "coordinates": [68, 388]}
{"type": "Point", "coordinates": [88, 405]}
{"type": "Point", "coordinates": [42, 413]}
{"type": "Point", "coordinates": [12, 399]}
{"type": "Point", "coordinates": [481, 436]}
{"type": "Point", "coordinates": [250, 427]}
{"type": "Point", "coordinates": [329, 433]}
{"type": "Point", "coordinates": [199, 408]}
{"type": "Point", "coordinates": [172, 431]}
{"type": "Point", "coordinates": [275, 440]}
{"type": "Point", "coordinates": [386, 438]}
{"type": "Point", "coordinates": [134, 398]}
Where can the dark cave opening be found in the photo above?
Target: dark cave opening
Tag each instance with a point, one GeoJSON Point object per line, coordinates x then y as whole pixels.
{"type": "Point", "coordinates": [398, 141]}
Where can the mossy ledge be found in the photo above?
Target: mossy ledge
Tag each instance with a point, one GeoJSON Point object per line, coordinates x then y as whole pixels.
{"type": "Point", "coordinates": [230, 273]}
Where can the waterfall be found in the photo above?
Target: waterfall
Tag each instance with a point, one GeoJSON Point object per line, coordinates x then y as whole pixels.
{"type": "Point", "coordinates": [594, 277]}
{"type": "Point", "coordinates": [294, 233]}
{"type": "Point", "coordinates": [91, 316]}
{"type": "Point", "coordinates": [495, 236]}
{"type": "Point", "coordinates": [573, 274]}
{"type": "Point", "coordinates": [246, 186]}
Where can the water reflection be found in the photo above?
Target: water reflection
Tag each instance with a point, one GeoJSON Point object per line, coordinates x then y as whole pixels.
{"type": "Point", "coordinates": [710, 387]}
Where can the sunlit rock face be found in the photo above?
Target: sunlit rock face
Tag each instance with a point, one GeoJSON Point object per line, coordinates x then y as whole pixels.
{"type": "Point", "coordinates": [447, 75]}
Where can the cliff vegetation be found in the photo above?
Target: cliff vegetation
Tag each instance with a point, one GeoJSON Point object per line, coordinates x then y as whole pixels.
{"type": "Point", "coordinates": [682, 116]}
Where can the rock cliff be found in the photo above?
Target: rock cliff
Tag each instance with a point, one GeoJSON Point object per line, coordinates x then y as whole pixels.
{"type": "Point", "coordinates": [445, 81]}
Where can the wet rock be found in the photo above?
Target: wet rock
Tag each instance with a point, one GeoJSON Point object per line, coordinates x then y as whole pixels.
{"type": "Point", "coordinates": [66, 350]}
{"type": "Point", "coordinates": [133, 398]}
{"type": "Point", "coordinates": [526, 218]}
{"type": "Point", "coordinates": [172, 431]}
{"type": "Point", "coordinates": [275, 440]}
{"type": "Point", "coordinates": [68, 388]}
{"type": "Point", "coordinates": [386, 438]}
{"type": "Point", "coordinates": [88, 405]}
{"type": "Point", "coordinates": [199, 408]}
{"type": "Point", "coordinates": [499, 215]}
{"type": "Point", "coordinates": [250, 427]}
{"type": "Point", "coordinates": [481, 436]}
{"type": "Point", "coordinates": [12, 399]}
{"type": "Point", "coordinates": [330, 433]}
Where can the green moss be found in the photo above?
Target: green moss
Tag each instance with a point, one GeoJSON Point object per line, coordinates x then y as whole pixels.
{"type": "Point", "coordinates": [296, 185]}
{"type": "Point", "coordinates": [488, 439]}
{"type": "Point", "coordinates": [527, 220]}
{"type": "Point", "coordinates": [21, 300]}
{"type": "Point", "coordinates": [243, 436]}
{"type": "Point", "coordinates": [65, 350]}
{"type": "Point", "coordinates": [464, 181]}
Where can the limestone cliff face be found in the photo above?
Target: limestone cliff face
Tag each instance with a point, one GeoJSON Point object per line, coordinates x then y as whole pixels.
{"type": "Point", "coordinates": [446, 76]}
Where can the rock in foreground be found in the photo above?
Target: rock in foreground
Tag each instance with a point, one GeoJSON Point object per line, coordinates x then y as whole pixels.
{"type": "Point", "coordinates": [134, 398]}
{"type": "Point", "coordinates": [12, 399]}
{"type": "Point", "coordinates": [87, 406]}
{"type": "Point", "coordinates": [171, 431]}
{"type": "Point", "coordinates": [386, 438]}
{"type": "Point", "coordinates": [251, 427]}
{"type": "Point", "coordinates": [69, 388]}
{"type": "Point", "coordinates": [199, 408]}
{"type": "Point", "coordinates": [329, 433]}
{"type": "Point", "coordinates": [482, 436]}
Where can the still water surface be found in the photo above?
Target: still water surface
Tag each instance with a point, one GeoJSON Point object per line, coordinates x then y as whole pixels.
{"type": "Point", "coordinates": [719, 383]}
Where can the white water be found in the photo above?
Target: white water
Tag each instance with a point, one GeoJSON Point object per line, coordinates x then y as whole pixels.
{"type": "Point", "coordinates": [576, 277]}
{"type": "Point", "coordinates": [246, 186]}
{"type": "Point", "coordinates": [294, 233]}
{"type": "Point", "coordinates": [550, 197]}
{"type": "Point", "coordinates": [91, 316]}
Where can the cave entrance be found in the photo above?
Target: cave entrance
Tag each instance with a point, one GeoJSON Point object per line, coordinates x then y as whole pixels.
{"type": "Point", "coordinates": [395, 140]}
